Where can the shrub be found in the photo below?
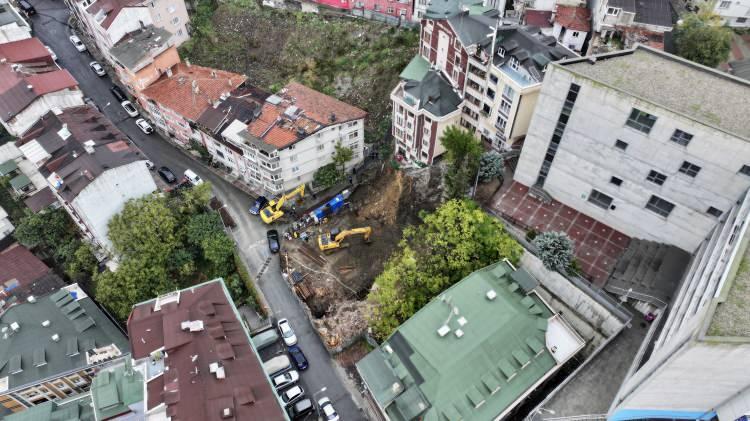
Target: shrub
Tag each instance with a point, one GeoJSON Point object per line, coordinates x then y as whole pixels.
{"type": "Point", "coordinates": [555, 250]}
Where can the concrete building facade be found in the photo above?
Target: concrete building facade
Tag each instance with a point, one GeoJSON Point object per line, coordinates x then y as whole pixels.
{"type": "Point", "coordinates": [142, 57]}
{"type": "Point", "coordinates": [734, 13]}
{"type": "Point", "coordinates": [633, 139]}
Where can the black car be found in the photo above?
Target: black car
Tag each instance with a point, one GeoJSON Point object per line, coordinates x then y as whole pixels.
{"type": "Point", "coordinates": [273, 241]}
{"type": "Point", "coordinates": [259, 204]}
{"type": "Point", "coordinates": [301, 409]}
{"type": "Point", "coordinates": [27, 7]}
{"type": "Point", "coordinates": [167, 175]}
{"type": "Point", "coordinates": [298, 357]}
{"type": "Point", "coordinates": [118, 93]}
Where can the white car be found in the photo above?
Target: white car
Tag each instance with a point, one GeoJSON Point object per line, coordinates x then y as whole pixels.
{"type": "Point", "coordinates": [150, 165]}
{"type": "Point", "coordinates": [287, 379]}
{"type": "Point", "coordinates": [97, 68]}
{"type": "Point", "coordinates": [292, 395]}
{"type": "Point", "coordinates": [287, 333]}
{"type": "Point", "coordinates": [129, 108]}
{"type": "Point", "coordinates": [144, 126]}
{"type": "Point", "coordinates": [193, 178]}
{"type": "Point", "coordinates": [327, 407]}
{"type": "Point", "coordinates": [77, 43]}
{"type": "Point", "coordinates": [51, 53]}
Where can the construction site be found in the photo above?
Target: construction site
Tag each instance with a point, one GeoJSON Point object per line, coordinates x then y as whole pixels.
{"type": "Point", "coordinates": [338, 247]}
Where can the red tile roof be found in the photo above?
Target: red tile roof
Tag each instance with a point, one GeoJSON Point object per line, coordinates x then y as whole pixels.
{"type": "Point", "coordinates": [24, 51]}
{"type": "Point", "coordinates": [575, 18]}
{"type": "Point", "coordinates": [188, 387]}
{"type": "Point", "coordinates": [178, 92]}
{"type": "Point", "coordinates": [18, 264]}
{"type": "Point", "coordinates": [539, 18]}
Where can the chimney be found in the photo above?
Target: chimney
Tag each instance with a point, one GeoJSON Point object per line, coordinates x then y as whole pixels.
{"type": "Point", "coordinates": [29, 87]}
{"type": "Point", "coordinates": [187, 62]}
{"type": "Point", "coordinates": [213, 74]}
{"type": "Point", "coordinates": [169, 72]}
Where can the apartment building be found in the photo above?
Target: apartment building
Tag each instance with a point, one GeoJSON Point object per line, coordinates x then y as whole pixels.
{"type": "Point", "coordinates": [91, 167]}
{"type": "Point", "coordinates": [733, 13]}
{"type": "Point", "coordinates": [13, 27]}
{"type": "Point", "coordinates": [197, 360]}
{"type": "Point", "coordinates": [52, 346]}
{"type": "Point", "coordinates": [643, 22]}
{"type": "Point", "coordinates": [634, 138]}
{"type": "Point", "coordinates": [277, 142]}
{"type": "Point", "coordinates": [143, 56]}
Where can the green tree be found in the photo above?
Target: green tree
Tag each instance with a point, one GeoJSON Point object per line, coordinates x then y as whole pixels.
{"type": "Point", "coordinates": [50, 230]}
{"type": "Point", "coordinates": [201, 226]}
{"type": "Point", "coordinates": [490, 166]}
{"type": "Point", "coordinates": [327, 175]}
{"type": "Point", "coordinates": [195, 198]}
{"type": "Point", "coordinates": [134, 281]}
{"type": "Point", "coordinates": [146, 229]}
{"type": "Point", "coordinates": [703, 39]}
{"type": "Point", "coordinates": [218, 249]}
{"type": "Point", "coordinates": [82, 264]}
{"type": "Point", "coordinates": [450, 243]}
{"type": "Point", "coordinates": [555, 250]}
{"type": "Point", "coordinates": [462, 152]}
{"type": "Point", "coordinates": [341, 155]}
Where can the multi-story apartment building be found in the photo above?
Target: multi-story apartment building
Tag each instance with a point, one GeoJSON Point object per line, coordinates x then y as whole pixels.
{"type": "Point", "coordinates": [653, 144]}
{"type": "Point", "coordinates": [734, 13]}
{"type": "Point", "coordinates": [277, 142]}
{"type": "Point", "coordinates": [52, 346]}
{"type": "Point", "coordinates": [143, 56]}
{"type": "Point", "coordinates": [496, 69]}
{"type": "Point", "coordinates": [92, 168]}
{"type": "Point", "coordinates": [642, 22]}
{"type": "Point", "coordinates": [13, 27]}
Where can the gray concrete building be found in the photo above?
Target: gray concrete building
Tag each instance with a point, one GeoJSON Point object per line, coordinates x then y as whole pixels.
{"type": "Point", "coordinates": [656, 146]}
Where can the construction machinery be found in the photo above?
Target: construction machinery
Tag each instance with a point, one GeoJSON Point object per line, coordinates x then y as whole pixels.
{"type": "Point", "coordinates": [333, 240]}
{"type": "Point", "coordinates": [273, 211]}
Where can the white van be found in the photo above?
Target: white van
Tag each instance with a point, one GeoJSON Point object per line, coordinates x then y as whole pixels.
{"type": "Point", "coordinates": [193, 178]}
{"type": "Point", "coordinates": [277, 364]}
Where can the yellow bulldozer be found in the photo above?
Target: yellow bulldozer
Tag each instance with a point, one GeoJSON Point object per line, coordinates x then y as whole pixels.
{"type": "Point", "coordinates": [334, 240]}
{"type": "Point", "coordinates": [273, 211]}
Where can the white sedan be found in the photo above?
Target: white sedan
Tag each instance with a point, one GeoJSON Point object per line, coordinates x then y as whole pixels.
{"type": "Point", "coordinates": [287, 333]}
{"type": "Point", "coordinates": [144, 126]}
{"type": "Point", "coordinates": [80, 46]}
{"type": "Point", "coordinates": [129, 108]}
{"type": "Point", "coordinates": [97, 68]}
{"type": "Point", "coordinates": [327, 407]}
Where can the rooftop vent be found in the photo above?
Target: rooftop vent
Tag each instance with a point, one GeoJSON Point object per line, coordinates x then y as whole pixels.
{"type": "Point", "coordinates": [31, 299]}
{"type": "Point", "coordinates": [444, 330]}
{"type": "Point", "coordinates": [491, 294]}
{"type": "Point", "coordinates": [29, 86]}
{"type": "Point", "coordinates": [388, 349]}
{"type": "Point", "coordinates": [332, 117]}
{"type": "Point", "coordinates": [461, 321]}
{"type": "Point", "coordinates": [459, 333]}
{"type": "Point", "coordinates": [64, 133]}
{"type": "Point", "coordinates": [192, 325]}
{"type": "Point", "coordinates": [55, 338]}
{"type": "Point", "coordinates": [46, 323]}
{"type": "Point", "coordinates": [226, 413]}
{"type": "Point", "coordinates": [89, 146]}
{"type": "Point", "coordinates": [274, 100]}
{"type": "Point", "coordinates": [15, 326]}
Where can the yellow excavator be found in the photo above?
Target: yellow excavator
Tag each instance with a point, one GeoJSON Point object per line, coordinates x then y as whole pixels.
{"type": "Point", "coordinates": [273, 211]}
{"type": "Point", "coordinates": [334, 240]}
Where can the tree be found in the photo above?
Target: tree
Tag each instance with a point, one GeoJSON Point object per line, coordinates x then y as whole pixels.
{"type": "Point", "coordinates": [218, 250]}
{"type": "Point", "coordinates": [327, 175]}
{"type": "Point", "coordinates": [341, 155]}
{"type": "Point", "coordinates": [462, 151]}
{"type": "Point", "coordinates": [146, 229]}
{"type": "Point", "coordinates": [555, 250]}
{"type": "Point", "coordinates": [134, 281]}
{"type": "Point", "coordinates": [490, 166]}
{"type": "Point", "coordinates": [201, 226]}
{"type": "Point", "coordinates": [450, 243]}
{"type": "Point", "coordinates": [82, 264]}
{"type": "Point", "coordinates": [50, 230]}
{"type": "Point", "coordinates": [703, 39]}
{"type": "Point", "coordinates": [195, 198]}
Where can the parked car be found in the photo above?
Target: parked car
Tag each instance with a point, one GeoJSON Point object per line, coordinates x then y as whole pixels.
{"type": "Point", "coordinates": [150, 165]}
{"type": "Point", "coordinates": [80, 46]}
{"type": "Point", "coordinates": [118, 93]}
{"type": "Point", "coordinates": [26, 7]}
{"type": "Point", "coordinates": [91, 102]}
{"type": "Point", "coordinates": [167, 174]}
{"type": "Point", "coordinates": [51, 53]}
{"type": "Point", "coordinates": [144, 126]}
{"type": "Point", "coordinates": [301, 409]}
{"type": "Point", "coordinates": [273, 241]}
{"type": "Point", "coordinates": [193, 178]}
{"type": "Point", "coordinates": [265, 339]}
{"type": "Point", "coordinates": [259, 204]}
{"type": "Point", "coordinates": [326, 407]}
{"type": "Point", "coordinates": [129, 108]}
{"type": "Point", "coordinates": [277, 365]}
{"type": "Point", "coordinates": [97, 68]}
{"type": "Point", "coordinates": [285, 380]}
{"type": "Point", "coordinates": [287, 332]}
{"type": "Point", "coordinates": [292, 395]}
{"type": "Point", "coordinates": [298, 357]}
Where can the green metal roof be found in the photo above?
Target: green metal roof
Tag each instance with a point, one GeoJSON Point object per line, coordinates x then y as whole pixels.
{"type": "Point", "coordinates": [20, 181]}
{"type": "Point", "coordinates": [8, 167]}
{"type": "Point", "coordinates": [416, 69]}
{"type": "Point", "coordinates": [74, 409]}
{"type": "Point", "coordinates": [114, 390]}
{"type": "Point", "coordinates": [491, 353]}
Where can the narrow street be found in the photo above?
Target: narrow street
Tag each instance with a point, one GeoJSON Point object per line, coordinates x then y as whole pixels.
{"type": "Point", "coordinates": [50, 25]}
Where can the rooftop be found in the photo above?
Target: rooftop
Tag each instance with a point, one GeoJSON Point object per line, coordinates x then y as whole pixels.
{"type": "Point", "coordinates": [74, 146]}
{"type": "Point", "coordinates": [19, 268]}
{"type": "Point", "coordinates": [652, 12]}
{"type": "Point", "coordinates": [18, 89]}
{"type": "Point", "coordinates": [531, 48]}
{"type": "Point", "coordinates": [54, 334]}
{"type": "Point", "coordinates": [109, 9]}
{"type": "Point", "coordinates": [705, 95]}
{"type": "Point", "coordinates": [115, 390]}
{"type": "Point", "coordinates": [538, 18]}
{"type": "Point", "coordinates": [192, 89]}
{"type": "Point", "coordinates": [470, 353]}
{"type": "Point", "coordinates": [433, 93]}
{"type": "Point", "coordinates": [8, 15]}
{"type": "Point", "coordinates": [575, 18]}
{"type": "Point", "coordinates": [40, 200]}
{"type": "Point", "coordinates": [28, 51]}
{"type": "Point", "coordinates": [77, 409]}
{"type": "Point", "coordinates": [210, 364]}
{"type": "Point", "coordinates": [444, 9]}
{"type": "Point", "coordinates": [243, 104]}
{"type": "Point", "coordinates": [135, 48]}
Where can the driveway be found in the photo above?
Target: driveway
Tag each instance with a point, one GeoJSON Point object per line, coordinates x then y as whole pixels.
{"type": "Point", "coordinates": [50, 25]}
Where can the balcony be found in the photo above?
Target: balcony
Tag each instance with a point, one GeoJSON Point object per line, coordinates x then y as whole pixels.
{"type": "Point", "coordinates": [472, 100]}
{"type": "Point", "coordinates": [474, 70]}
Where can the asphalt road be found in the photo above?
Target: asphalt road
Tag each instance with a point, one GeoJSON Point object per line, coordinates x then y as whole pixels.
{"type": "Point", "coordinates": [50, 25]}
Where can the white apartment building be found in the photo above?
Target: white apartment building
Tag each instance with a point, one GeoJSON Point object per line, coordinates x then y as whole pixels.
{"type": "Point", "coordinates": [735, 13]}
{"type": "Point", "coordinates": [642, 22]}
{"type": "Point", "coordinates": [656, 146]}
{"type": "Point", "coordinates": [281, 140]}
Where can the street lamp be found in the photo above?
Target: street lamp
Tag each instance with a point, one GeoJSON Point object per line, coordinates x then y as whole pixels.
{"type": "Point", "coordinates": [315, 401]}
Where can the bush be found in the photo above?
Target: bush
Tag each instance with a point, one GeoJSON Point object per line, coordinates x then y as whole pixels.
{"type": "Point", "coordinates": [252, 295]}
{"type": "Point", "coordinates": [490, 166]}
{"type": "Point", "coordinates": [555, 250]}
{"type": "Point", "coordinates": [327, 175]}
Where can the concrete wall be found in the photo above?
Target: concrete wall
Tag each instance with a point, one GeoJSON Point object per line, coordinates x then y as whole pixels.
{"type": "Point", "coordinates": [172, 16]}
{"type": "Point", "coordinates": [107, 194]}
{"type": "Point", "coordinates": [587, 159]}
{"type": "Point", "coordinates": [65, 98]}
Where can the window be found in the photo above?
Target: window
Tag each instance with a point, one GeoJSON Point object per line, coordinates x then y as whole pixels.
{"type": "Point", "coordinates": [659, 206]}
{"type": "Point", "coordinates": [616, 181]}
{"type": "Point", "coordinates": [490, 93]}
{"type": "Point", "coordinates": [493, 78]}
{"type": "Point", "coordinates": [740, 20]}
{"type": "Point", "coordinates": [295, 169]}
{"type": "Point", "coordinates": [293, 158]}
{"type": "Point", "coordinates": [179, 32]}
{"type": "Point", "coordinates": [486, 109]}
{"type": "Point", "coordinates": [656, 177]}
{"type": "Point", "coordinates": [641, 121]}
{"type": "Point", "coordinates": [513, 63]}
{"type": "Point", "coordinates": [745, 170]}
{"type": "Point", "coordinates": [505, 107]}
{"type": "Point", "coordinates": [613, 11]}
{"type": "Point", "coordinates": [175, 20]}
{"type": "Point", "coordinates": [600, 199]}
{"type": "Point", "coordinates": [575, 34]}
{"type": "Point", "coordinates": [714, 212]}
{"type": "Point", "coordinates": [681, 138]}
{"type": "Point", "coordinates": [501, 52]}
{"type": "Point", "coordinates": [689, 168]}
{"type": "Point", "coordinates": [353, 135]}
{"type": "Point", "coordinates": [220, 153]}
{"type": "Point", "coordinates": [725, 4]}
{"type": "Point", "coordinates": [390, 10]}
{"type": "Point", "coordinates": [402, 12]}
{"type": "Point", "coordinates": [321, 147]}
{"type": "Point", "coordinates": [619, 144]}
{"type": "Point", "coordinates": [508, 92]}
{"type": "Point", "coordinates": [427, 36]}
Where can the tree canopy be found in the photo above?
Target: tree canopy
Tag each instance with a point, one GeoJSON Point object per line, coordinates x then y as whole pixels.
{"type": "Point", "coordinates": [327, 175]}
{"type": "Point", "coordinates": [450, 243]}
{"type": "Point", "coordinates": [341, 155]}
{"type": "Point", "coordinates": [555, 250]}
{"type": "Point", "coordinates": [490, 166]}
{"type": "Point", "coordinates": [462, 153]}
{"type": "Point", "coordinates": [703, 39]}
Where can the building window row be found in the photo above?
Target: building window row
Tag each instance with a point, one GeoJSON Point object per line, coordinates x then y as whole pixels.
{"type": "Point", "coordinates": [558, 133]}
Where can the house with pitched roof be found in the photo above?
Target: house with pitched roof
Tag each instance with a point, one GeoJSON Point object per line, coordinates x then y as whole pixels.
{"type": "Point", "coordinates": [13, 27]}
{"type": "Point", "coordinates": [643, 22]}
{"type": "Point", "coordinates": [50, 348]}
{"type": "Point", "coordinates": [277, 142]}
{"type": "Point", "coordinates": [31, 84]}
{"type": "Point", "coordinates": [472, 353]}
{"type": "Point", "coordinates": [141, 57]}
{"type": "Point", "coordinates": [571, 26]}
{"type": "Point", "coordinates": [22, 274]}
{"type": "Point", "coordinates": [91, 167]}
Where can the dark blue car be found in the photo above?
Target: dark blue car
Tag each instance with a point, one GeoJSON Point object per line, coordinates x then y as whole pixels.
{"type": "Point", "coordinates": [259, 204]}
{"type": "Point", "coordinates": [298, 357]}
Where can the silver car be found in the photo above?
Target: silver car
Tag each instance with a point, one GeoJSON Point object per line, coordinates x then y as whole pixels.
{"type": "Point", "coordinates": [97, 68]}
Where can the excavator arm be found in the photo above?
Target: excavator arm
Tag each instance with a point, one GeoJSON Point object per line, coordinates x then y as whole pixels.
{"type": "Point", "coordinates": [326, 242]}
{"type": "Point", "coordinates": [273, 211]}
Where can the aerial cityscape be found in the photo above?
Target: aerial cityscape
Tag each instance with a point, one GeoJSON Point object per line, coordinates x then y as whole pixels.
{"type": "Point", "coordinates": [385, 210]}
